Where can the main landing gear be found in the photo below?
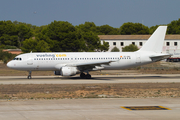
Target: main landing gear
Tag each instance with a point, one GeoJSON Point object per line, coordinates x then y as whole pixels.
{"type": "Point", "coordinates": [85, 76]}
{"type": "Point", "coordinates": [29, 76]}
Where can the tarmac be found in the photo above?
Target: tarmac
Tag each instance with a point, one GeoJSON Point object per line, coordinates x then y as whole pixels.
{"type": "Point", "coordinates": [151, 78]}
{"type": "Point", "coordinates": [90, 109]}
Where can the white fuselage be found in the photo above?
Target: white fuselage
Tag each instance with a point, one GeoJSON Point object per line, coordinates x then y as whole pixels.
{"type": "Point", "coordinates": [55, 60]}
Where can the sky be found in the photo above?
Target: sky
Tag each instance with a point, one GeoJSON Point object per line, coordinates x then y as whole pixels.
{"type": "Point", "coordinates": [101, 12]}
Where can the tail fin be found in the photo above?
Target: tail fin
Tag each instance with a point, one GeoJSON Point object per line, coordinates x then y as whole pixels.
{"type": "Point", "coordinates": [155, 42]}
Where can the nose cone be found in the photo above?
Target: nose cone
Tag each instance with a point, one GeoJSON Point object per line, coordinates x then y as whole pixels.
{"type": "Point", "coordinates": [9, 64]}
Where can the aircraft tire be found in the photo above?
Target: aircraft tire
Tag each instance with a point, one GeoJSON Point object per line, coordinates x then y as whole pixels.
{"type": "Point", "coordinates": [29, 77]}
{"type": "Point", "coordinates": [82, 75]}
{"type": "Point", "coordinates": [88, 76]}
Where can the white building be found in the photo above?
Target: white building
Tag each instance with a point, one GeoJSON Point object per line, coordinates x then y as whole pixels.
{"type": "Point", "coordinates": [171, 43]}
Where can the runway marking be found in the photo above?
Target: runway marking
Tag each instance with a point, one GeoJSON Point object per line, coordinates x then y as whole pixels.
{"type": "Point", "coordinates": [145, 108]}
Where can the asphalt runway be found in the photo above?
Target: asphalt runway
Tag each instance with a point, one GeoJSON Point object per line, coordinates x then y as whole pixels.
{"type": "Point", "coordinates": [89, 109]}
{"type": "Point", "coordinates": [155, 78]}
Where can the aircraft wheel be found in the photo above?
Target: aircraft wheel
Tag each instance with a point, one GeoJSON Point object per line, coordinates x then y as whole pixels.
{"type": "Point", "coordinates": [29, 77]}
{"type": "Point", "coordinates": [82, 75]}
{"type": "Point", "coordinates": [88, 76]}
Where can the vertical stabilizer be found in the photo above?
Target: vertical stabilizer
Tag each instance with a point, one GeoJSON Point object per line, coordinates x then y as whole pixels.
{"type": "Point", "coordinates": [155, 42]}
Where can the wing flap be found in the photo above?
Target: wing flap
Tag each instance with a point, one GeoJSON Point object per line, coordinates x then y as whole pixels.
{"type": "Point", "coordinates": [90, 65]}
{"type": "Point", "coordinates": [94, 63]}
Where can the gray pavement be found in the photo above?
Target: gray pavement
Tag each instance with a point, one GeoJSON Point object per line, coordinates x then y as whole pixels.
{"type": "Point", "coordinates": [89, 109]}
{"type": "Point", "coordinates": [155, 78]}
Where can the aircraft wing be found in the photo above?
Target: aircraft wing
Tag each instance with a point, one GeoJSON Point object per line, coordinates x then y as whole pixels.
{"type": "Point", "coordinates": [159, 57]}
{"type": "Point", "coordinates": [91, 65]}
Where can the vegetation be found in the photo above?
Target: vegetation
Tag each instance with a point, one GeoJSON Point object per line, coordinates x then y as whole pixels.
{"type": "Point", "coordinates": [133, 29]}
{"type": "Point", "coordinates": [62, 36]}
{"type": "Point", "coordinates": [5, 56]}
{"type": "Point", "coordinates": [115, 49]}
{"type": "Point", "coordinates": [130, 48]}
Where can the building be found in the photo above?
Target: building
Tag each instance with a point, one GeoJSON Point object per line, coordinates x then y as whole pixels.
{"type": "Point", "coordinates": [13, 51]}
{"type": "Point", "coordinates": [171, 43]}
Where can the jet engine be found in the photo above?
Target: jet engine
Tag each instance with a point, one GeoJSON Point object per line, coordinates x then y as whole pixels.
{"type": "Point", "coordinates": [66, 71]}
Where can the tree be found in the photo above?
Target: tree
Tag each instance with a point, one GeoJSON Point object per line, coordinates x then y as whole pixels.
{"type": "Point", "coordinates": [5, 56]}
{"type": "Point", "coordinates": [8, 33]}
{"type": "Point", "coordinates": [115, 49]}
{"type": "Point", "coordinates": [133, 29]}
{"type": "Point", "coordinates": [23, 33]}
{"type": "Point", "coordinates": [152, 29]}
{"type": "Point", "coordinates": [91, 40]}
{"type": "Point", "coordinates": [63, 37]}
{"type": "Point", "coordinates": [104, 47]}
{"type": "Point", "coordinates": [35, 45]}
{"type": "Point", "coordinates": [130, 48]}
{"type": "Point", "coordinates": [87, 27]}
{"type": "Point", "coordinates": [174, 27]}
{"type": "Point", "coordinates": [107, 30]}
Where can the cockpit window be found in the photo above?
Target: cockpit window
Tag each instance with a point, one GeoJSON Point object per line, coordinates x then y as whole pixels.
{"type": "Point", "coordinates": [17, 59]}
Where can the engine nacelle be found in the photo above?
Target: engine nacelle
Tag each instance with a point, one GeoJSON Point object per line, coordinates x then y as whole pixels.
{"type": "Point", "coordinates": [66, 71]}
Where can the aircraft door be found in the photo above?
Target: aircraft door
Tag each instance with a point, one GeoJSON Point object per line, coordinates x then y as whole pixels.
{"type": "Point", "coordinates": [29, 60]}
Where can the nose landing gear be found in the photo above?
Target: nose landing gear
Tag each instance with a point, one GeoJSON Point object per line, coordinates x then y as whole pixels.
{"type": "Point", "coordinates": [29, 76]}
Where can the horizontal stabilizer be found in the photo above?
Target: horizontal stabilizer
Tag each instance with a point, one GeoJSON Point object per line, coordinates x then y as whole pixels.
{"type": "Point", "coordinates": [159, 57]}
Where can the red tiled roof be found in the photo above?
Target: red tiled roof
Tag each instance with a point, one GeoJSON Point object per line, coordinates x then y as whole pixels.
{"type": "Point", "coordinates": [13, 51]}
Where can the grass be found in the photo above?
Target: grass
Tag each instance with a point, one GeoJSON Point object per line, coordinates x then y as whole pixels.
{"type": "Point", "coordinates": [118, 90]}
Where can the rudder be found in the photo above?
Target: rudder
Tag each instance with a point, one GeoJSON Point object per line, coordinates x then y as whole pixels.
{"type": "Point", "coordinates": [155, 42]}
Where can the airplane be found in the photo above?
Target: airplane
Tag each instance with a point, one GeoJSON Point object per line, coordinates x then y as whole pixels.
{"type": "Point", "coordinates": [72, 63]}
